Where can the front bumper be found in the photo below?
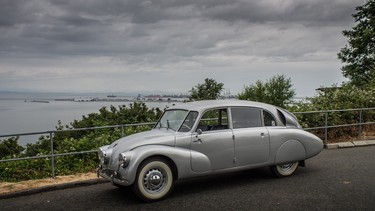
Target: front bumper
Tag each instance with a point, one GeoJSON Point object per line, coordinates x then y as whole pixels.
{"type": "Point", "coordinates": [112, 175]}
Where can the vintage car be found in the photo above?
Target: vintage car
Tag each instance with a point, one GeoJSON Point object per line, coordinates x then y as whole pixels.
{"type": "Point", "coordinates": [206, 138]}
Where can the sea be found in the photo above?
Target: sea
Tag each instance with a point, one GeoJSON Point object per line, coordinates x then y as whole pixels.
{"type": "Point", "coordinates": [29, 113]}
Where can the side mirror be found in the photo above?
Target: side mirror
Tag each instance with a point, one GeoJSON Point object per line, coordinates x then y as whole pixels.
{"type": "Point", "coordinates": [199, 131]}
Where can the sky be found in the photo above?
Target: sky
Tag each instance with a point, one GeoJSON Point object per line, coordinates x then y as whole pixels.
{"type": "Point", "coordinates": [170, 45]}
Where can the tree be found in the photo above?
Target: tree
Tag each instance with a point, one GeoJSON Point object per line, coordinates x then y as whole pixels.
{"type": "Point", "coordinates": [209, 90]}
{"type": "Point", "coordinates": [358, 55]}
{"type": "Point", "coordinates": [276, 91]}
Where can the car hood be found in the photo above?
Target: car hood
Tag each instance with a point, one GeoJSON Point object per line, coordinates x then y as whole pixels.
{"type": "Point", "coordinates": [155, 136]}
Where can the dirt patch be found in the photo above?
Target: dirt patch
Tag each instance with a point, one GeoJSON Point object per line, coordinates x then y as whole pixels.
{"type": "Point", "coordinates": [8, 187]}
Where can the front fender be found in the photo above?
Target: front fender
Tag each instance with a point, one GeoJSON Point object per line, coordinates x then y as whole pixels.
{"type": "Point", "coordinates": [179, 156]}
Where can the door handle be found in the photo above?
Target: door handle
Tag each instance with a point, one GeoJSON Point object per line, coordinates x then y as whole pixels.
{"type": "Point", "coordinates": [262, 135]}
{"type": "Point", "coordinates": [198, 141]}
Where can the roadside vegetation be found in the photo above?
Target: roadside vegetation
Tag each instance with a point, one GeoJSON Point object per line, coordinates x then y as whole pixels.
{"type": "Point", "coordinates": [358, 58]}
{"type": "Point", "coordinates": [73, 141]}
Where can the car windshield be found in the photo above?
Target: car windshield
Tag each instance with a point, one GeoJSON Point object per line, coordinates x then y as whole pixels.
{"type": "Point", "coordinates": [172, 119]}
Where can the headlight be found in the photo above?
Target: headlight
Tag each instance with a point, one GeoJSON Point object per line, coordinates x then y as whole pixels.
{"type": "Point", "coordinates": [104, 154]}
{"type": "Point", "coordinates": [100, 153]}
{"type": "Point", "coordinates": [123, 160]}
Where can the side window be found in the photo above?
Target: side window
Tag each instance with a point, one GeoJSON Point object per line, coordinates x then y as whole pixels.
{"type": "Point", "coordinates": [216, 119]}
{"type": "Point", "coordinates": [269, 120]}
{"type": "Point", "coordinates": [246, 117]}
{"type": "Point", "coordinates": [189, 122]}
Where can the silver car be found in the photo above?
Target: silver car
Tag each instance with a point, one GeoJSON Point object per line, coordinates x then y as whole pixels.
{"type": "Point", "coordinates": [205, 138]}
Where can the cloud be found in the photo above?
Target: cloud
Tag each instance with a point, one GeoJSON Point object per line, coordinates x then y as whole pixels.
{"type": "Point", "coordinates": [142, 27]}
{"type": "Point", "coordinates": [133, 39]}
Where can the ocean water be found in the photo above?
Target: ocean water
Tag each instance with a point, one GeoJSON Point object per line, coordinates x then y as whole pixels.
{"type": "Point", "coordinates": [20, 116]}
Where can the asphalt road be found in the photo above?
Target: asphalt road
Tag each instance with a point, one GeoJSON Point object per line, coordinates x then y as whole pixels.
{"type": "Point", "coordinates": [341, 179]}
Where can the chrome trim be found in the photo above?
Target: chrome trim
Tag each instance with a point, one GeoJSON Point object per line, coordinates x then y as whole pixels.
{"type": "Point", "coordinates": [123, 160]}
{"type": "Point", "coordinates": [113, 176]}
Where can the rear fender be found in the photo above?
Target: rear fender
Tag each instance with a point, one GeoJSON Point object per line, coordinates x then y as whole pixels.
{"type": "Point", "coordinates": [289, 151]}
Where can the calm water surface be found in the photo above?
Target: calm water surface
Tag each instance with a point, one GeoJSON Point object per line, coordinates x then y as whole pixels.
{"type": "Point", "coordinates": [18, 116]}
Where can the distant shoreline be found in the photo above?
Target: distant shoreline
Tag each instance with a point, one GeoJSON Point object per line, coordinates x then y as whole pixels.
{"type": "Point", "coordinates": [95, 97]}
{"type": "Point", "coordinates": [121, 100]}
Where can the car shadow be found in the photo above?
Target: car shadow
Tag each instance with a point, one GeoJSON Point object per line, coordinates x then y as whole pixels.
{"type": "Point", "coordinates": [195, 186]}
{"type": "Point", "coordinates": [114, 194]}
{"type": "Point", "coordinates": [222, 181]}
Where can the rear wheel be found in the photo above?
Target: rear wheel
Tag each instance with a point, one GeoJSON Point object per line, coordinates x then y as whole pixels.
{"type": "Point", "coordinates": [154, 180]}
{"type": "Point", "coordinates": [284, 170]}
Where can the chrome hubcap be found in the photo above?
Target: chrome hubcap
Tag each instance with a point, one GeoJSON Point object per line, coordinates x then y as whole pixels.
{"type": "Point", "coordinates": [154, 180]}
{"type": "Point", "coordinates": [286, 167]}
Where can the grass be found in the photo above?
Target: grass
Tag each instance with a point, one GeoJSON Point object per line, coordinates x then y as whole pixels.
{"type": "Point", "coordinates": [9, 187]}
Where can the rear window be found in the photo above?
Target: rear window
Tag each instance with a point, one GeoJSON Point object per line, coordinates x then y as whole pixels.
{"type": "Point", "coordinates": [246, 117]}
{"type": "Point", "coordinates": [268, 118]}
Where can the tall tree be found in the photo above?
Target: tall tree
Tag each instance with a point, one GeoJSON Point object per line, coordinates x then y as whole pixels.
{"type": "Point", "coordinates": [276, 91]}
{"type": "Point", "coordinates": [209, 90]}
{"type": "Point", "coordinates": [358, 55]}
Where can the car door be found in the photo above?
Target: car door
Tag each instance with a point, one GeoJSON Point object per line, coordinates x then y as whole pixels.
{"type": "Point", "coordinates": [214, 139]}
{"type": "Point", "coordinates": [251, 138]}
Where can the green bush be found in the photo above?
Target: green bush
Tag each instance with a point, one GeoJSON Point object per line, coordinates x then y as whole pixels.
{"type": "Point", "coordinates": [25, 170]}
{"type": "Point", "coordinates": [9, 148]}
{"type": "Point", "coordinates": [347, 96]}
{"type": "Point", "coordinates": [73, 141]}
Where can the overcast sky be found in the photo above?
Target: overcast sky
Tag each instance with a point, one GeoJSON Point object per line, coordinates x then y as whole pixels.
{"type": "Point", "coordinates": [170, 45]}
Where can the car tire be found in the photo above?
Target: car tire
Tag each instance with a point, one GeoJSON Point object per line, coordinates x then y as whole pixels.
{"type": "Point", "coordinates": [284, 170]}
{"type": "Point", "coordinates": [154, 180]}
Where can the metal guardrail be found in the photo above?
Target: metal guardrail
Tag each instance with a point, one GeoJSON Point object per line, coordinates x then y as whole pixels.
{"type": "Point", "coordinates": [51, 133]}
{"type": "Point", "coordinates": [326, 126]}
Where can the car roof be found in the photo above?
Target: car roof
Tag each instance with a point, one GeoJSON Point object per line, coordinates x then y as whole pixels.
{"type": "Point", "coordinates": [207, 104]}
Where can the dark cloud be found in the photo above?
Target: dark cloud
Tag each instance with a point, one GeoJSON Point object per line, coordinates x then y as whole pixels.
{"type": "Point", "coordinates": [166, 36]}
{"type": "Point", "coordinates": [15, 12]}
{"type": "Point", "coordinates": [147, 11]}
{"type": "Point", "coordinates": [131, 24]}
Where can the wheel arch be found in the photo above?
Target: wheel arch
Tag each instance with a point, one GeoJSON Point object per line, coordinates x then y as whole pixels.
{"type": "Point", "coordinates": [170, 161]}
{"type": "Point", "coordinates": [177, 158]}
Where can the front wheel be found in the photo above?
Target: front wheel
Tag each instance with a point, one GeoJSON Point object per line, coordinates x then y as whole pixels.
{"type": "Point", "coordinates": [154, 180]}
{"type": "Point", "coordinates": [284, 170]}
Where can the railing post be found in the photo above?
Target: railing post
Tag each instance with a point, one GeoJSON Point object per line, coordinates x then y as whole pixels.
{"type": "Point", "coordinates": [122, 131]}
{"type": "Point", "coordinates": [360, 124]}
{"type": "Point", "coordinates": [52, 155]}
{"type": "Point", "coordinates": [326, 128]}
